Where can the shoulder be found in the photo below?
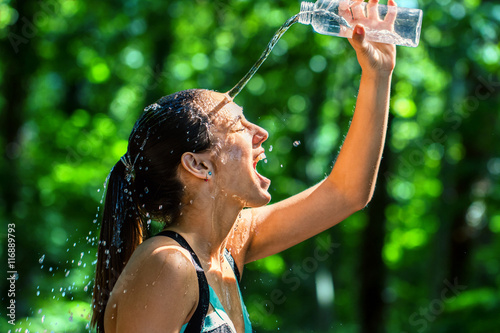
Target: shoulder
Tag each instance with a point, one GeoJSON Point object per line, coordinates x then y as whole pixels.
{"type": "Point", "coordinates": [162, 257]}
{"type": "Point", "coordinates": [158, 272]}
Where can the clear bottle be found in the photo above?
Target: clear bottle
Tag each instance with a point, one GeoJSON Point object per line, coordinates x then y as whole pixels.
{"type": "Point", "coordinates": [394, 25]}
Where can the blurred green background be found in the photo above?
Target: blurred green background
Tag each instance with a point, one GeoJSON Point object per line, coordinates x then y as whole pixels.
{"type": "Point", "coordinates": [422, 257]}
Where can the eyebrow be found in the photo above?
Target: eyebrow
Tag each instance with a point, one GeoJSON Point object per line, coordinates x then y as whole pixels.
{"type": "Point", "coordinates": [236, 120]}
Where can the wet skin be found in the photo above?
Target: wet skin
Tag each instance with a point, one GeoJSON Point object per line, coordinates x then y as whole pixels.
{"type": "Point", "coordinates": [158, 290]}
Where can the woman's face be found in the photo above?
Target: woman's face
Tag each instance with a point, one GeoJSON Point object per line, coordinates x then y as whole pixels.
{"type": "Point", "coordinates": [238, 149]}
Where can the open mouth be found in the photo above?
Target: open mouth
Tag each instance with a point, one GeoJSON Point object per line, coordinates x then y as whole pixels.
{"type": "Point", "coordinates": [260, 157]}
{"type": "Point", "coordinates": [265, 182]}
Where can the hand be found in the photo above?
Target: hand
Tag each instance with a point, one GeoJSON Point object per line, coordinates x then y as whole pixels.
{"type": "Point", "coordinates": [373, 57]}
{"type": "Point", "coordinates": [353, 13]}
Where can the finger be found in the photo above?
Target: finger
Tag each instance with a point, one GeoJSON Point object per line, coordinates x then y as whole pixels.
{"type": "Point", "coordinates": [357, 10]}
{"type": "Point", "coordinates": [372, 10]}
{"type": "Point", "coordinates": [358, 36]}
{"type": "Point", "coordinates": [344, 10]}
{"type": "Point", "coordinates": [392, 12]}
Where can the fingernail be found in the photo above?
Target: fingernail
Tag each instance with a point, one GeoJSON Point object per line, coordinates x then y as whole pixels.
{"type": "Point", "coordinates": [359, 30]}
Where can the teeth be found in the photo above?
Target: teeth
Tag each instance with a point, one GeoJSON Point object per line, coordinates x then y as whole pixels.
{"type": "Point", "coordinates": [261, 157]}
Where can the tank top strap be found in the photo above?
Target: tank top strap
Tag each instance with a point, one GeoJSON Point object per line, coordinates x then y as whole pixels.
{"type": "Point", "coordinates": [231, 262]}
{"type": "Point", "coordinates": [246, 317]}
{"type": "Point", "coordinates": [195, 324]}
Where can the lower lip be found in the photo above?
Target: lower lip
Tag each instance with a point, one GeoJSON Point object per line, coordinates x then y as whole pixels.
{"type": "Point", "coordinates": [262, 178]}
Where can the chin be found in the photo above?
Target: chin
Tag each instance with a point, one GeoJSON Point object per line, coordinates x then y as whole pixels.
{"type": "Point", "coordinates": [262, 200]}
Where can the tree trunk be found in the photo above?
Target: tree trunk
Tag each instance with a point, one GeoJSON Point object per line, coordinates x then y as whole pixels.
{"type": "Point", "coordinates": [373, 270]}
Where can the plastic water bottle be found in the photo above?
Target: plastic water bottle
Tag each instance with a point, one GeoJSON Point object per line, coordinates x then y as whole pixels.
{"type": "Point", "coordinates": [384, 24]}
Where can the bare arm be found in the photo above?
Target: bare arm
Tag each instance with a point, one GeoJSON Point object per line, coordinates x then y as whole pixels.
{"type": "Point", "coordinates": [350, 185]}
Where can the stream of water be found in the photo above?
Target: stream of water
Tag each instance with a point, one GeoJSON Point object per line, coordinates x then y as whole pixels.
{"type": "Point", "coordinates": [241, 84]}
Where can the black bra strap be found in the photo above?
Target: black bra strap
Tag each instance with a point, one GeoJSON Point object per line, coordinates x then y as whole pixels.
{"type": "Point", "coordinates": [195, 324]}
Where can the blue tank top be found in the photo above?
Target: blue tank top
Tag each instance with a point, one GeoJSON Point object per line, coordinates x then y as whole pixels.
{"type": "Point", "coordinates": [218, 321]}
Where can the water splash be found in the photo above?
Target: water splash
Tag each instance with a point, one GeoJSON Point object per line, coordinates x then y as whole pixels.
{"type": "Point", "coordinates": [241, 84]}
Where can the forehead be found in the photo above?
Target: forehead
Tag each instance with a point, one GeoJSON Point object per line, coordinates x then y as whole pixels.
{"type": "Point", "coordinates": [224, 110]}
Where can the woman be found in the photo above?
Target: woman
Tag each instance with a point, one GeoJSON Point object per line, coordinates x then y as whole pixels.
{"type": "Point", "coordinates": [191, 163]}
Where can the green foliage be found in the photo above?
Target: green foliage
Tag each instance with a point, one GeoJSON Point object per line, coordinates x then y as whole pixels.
{"type": "Point", "coordinates": [76, 75]}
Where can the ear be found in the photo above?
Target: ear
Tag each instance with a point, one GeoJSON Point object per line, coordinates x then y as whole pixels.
{"type": "Point", "coordinates": [197, 164]}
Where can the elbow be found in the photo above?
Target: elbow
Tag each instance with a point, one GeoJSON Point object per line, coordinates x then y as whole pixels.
{"type": "Point", "coordinates": [363, 196]}
{"type": "Point", "coordinates": [354, 198]}
{"type": "Point", "coordinates": [361, 200]}
{"type": "Point", "coordinates": [363, 203]}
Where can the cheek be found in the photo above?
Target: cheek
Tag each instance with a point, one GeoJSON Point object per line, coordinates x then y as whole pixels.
{"type": "Point", "coordinates": [231, 155]}
{"type": "Point", "coordinates": [232, 150]}
{"type": "Point", "coordinates": [235, 153]}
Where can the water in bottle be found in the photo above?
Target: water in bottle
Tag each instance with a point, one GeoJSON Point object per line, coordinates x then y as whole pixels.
{"type": "Point", "coordinates": [384, 24]}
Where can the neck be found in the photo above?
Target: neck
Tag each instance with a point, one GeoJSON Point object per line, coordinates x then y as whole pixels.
{"type": "Point", "coordinates": [206, 222]}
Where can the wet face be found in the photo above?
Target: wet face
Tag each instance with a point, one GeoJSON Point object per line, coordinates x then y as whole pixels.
{"type": "Point", "coordinates": [237, 151]}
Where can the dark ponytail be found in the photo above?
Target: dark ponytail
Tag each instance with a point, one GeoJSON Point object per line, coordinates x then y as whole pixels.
{"type": "Point", "coordinates": [120, 222]}
{"type": "Point", "coordinates": [144, 185]}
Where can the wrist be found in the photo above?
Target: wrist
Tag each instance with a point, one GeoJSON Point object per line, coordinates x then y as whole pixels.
{"type": "Point", "coordinates": [377, 75]}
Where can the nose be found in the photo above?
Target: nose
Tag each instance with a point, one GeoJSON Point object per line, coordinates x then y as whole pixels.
{"type": "Point", "coordinates": [260, 135]}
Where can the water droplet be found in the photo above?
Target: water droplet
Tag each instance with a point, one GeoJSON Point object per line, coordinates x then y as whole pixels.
{"type": "Point", "coordinates": [160, 207]}
{"type": "Point", "coordinates": [265, 160]}
{"type": "Point", "coordinates": [296, 143]}
{"type": "Point", "coordinates": [124, 291]}
{"type": "Point", "coordinates": [146, 190]}
{"type": "Point", "coordinates": [41, 259]}
{"type": "Point", "coordinates": [271, 148]}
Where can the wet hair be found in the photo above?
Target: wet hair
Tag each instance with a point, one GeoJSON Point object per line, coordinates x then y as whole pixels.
{"type": "Point", "coordinates": [149, 188]}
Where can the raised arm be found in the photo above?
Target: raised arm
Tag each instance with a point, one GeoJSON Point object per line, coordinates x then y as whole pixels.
{"type": "Point", "coordinates": [350, 185]}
